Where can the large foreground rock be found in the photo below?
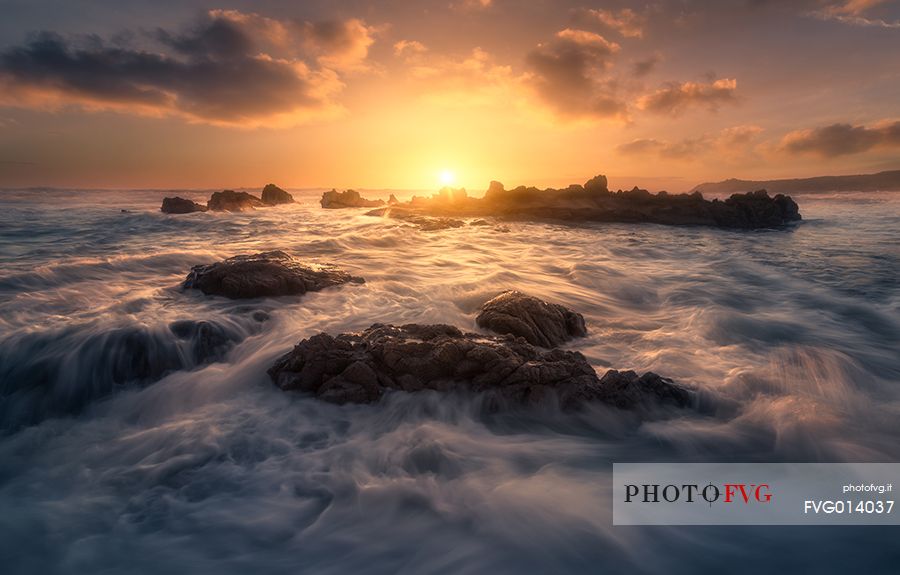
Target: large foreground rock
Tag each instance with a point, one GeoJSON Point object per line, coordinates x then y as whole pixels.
{"type": "Point", "coordinates": [266, 274]}
{"type": "Point", "coordinates": [593, 202]}
{"type": "Point", "coordinates": [178, 205]}
{"type": "Point", "coordinates": [361, 367]}
{"type": "Point", "coordinates": [231, 201]}
{"type": "Point", "coordinates": [347, 199]}
{"type": "Point", "coordinates": [540, 323]}
{"type": "Point", "coordinates": [272, 195]}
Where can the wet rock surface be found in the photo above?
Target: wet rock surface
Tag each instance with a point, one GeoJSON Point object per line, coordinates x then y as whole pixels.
{"type": "Point", "coordinates": [540, 323]}
{"type": "Point", "coordinates": [272, 195]}
{"type": "Point", "coordinates": [348, 199]}
{"type": "Point", "coordinates": [266, 274]}
{"type": "Point", "coordinates": [594, 202]}
{"type": "Point", "coordinates": [178, 205]}
{"type": "Point", "coordinates": [231, 201]}
{"type": "Point", "coordinates": [362, 367]}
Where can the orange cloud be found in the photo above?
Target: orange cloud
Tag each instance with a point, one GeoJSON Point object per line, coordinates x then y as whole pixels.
{"type": "Point", "coordinates": [853, 12]}
{"type": "Point", "coordinates": [730, 143]}
{"type": "Point", "coordinates": [626, 22]}
{"type": "Point", "coordinates": [567, 75]}
{"type": "Point", "coordinates": [675, 98]}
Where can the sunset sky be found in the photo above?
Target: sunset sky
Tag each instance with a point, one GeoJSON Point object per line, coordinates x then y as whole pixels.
{"type": "Point", "coordinates": [164, 93]}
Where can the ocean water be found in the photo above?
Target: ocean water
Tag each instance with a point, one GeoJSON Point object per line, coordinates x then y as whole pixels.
{"type": "Point", "coordinates": [127, 446]}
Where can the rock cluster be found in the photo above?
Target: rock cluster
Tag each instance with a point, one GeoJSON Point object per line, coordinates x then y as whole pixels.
{"type": "Point", "coordinates": [229, 201]}
{"type": "Point", "coordinates": [266, 274]}
{"type": "Point", "coordinates": [361, 367]}
{"type": "Point", "coordinates": [540, 323]}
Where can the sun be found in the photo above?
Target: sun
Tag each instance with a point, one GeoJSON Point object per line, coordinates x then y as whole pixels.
{"type": "Point", "coordinates": [447, 177]}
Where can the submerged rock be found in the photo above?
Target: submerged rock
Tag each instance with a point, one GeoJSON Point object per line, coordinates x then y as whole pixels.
{"type": "Point", "coordinates": [272, 195]}
{"type": "Point", "coordinates": [593, 202]}
{"type": "Point", "coordinates": [348, 199]}
{"type": "Point", "coordinates": [59, 372]}
{"type": "Point", "coordinates": [424, 223]}
{"type": "Point", "coordinates": [266, 274]}
{"type": "Point", "coordinates": [361, 367]}
{"type": "Point", "coordinates": [231, 201]}
{"type": "Point", "coordinates": [180, 206]}
{"type": "Point", "coordinates": [540, 323]}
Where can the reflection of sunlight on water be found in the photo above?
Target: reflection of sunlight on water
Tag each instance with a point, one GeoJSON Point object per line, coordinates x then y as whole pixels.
{"type": "Point", "coordinates": [791, 336]}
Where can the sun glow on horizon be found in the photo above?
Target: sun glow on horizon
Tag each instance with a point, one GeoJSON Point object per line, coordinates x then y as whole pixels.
{"type": "Point", "coordinates": [447, 177]}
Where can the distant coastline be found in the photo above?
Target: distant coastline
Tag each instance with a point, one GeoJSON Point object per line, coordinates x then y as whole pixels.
{"type": "Point", "coordinates": [888, 181]}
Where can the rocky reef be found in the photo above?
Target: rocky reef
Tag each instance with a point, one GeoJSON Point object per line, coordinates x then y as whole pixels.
{"type": "Point", "coordinates": [229, 201]}
{"type": "Point", "coordinates": [272, 195]}
{"type": "Point", "coordinates": [178, 205]}
{"type": "Point", "coordinates": [267, 274]}
{"type": "Point", "coordinates": [348, 199]}
{"type": "Point", "coordinates": [540, 323]}
{"type": "Point", "coordinates": [594, 202]}
{"type": "Point", "coordinates": [362, 367]}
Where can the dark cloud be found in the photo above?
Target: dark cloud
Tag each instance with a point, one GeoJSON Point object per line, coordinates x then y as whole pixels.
{"type": "Point", "coordinates": [643, 67]}
{"type": "Point", "coordinates": [674, 98]}
{"type": "Point", "coordinates": [567, 74]}
{"type": "Point", "coordinates": [231, 68]}
{"type": "Point", "coordinates": [843, 139]}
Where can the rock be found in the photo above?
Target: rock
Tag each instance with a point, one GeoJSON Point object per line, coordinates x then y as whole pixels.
{"type": "Point", "coordinates": [540, 323]}
{"type": "Point", "coordinates": [272, 195]}
{"type": "Point", "coordinates": [593, 202]}
{"type": "Point", "coordinates": [392, 200]}
{"type": "Point", "coordinates": [180, 206]}
{"type": "Point", "coordinates": [597, 184]}
{"type": "Point", "coordinates": [479, 222]}
{"type": "Point", "coordinates": [627, 390]}
{"type": "Point", "coordinates": [754, 210]}
{"type": "Point", "coordinates": [267, 274]}
{"type": "Point", "coordinates": [231, 201]}
{"type": "Point", "coordinates": [348, 199]}
{"type": "Point", "coordinates": [361, 367]}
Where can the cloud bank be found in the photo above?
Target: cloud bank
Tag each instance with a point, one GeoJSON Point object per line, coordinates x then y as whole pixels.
{"type": "Point", "coordinates": [843, 139]}
{"type": "Point", "coordinates": [231, 68]}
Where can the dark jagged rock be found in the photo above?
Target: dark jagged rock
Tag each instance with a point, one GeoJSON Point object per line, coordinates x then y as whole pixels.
{"type": "Point", "coordinates": [392, 200]}
{"type": "Point", "coordinates": [266, 274]}
{"type": "Point", "coordinates": [231, 201]}
{"type": "Point", "coordinates": [361, 367]}
{"type": "Point", "coordinates": [593, 202]}
{"type": "Point", "coordinates": [272, 195]}
{"type": "Point", "coordinates": [540, 323]}
{"type": "Point", "coordinates": [597, 184]}
{"type": "Point", "coordinates": [424, 223]}
{"type": "Point", "coordinates": [180, 206]}
{"type": "Point", "coordinates": [347, 199]}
